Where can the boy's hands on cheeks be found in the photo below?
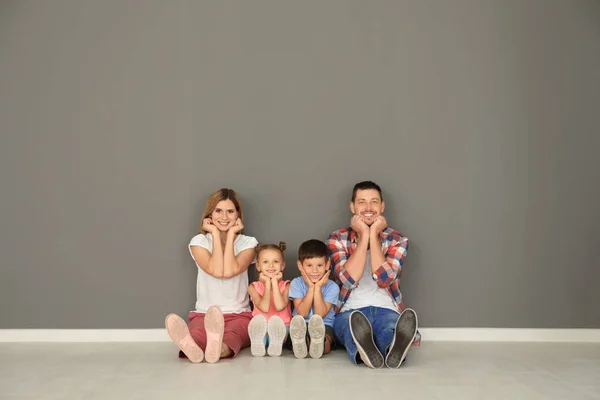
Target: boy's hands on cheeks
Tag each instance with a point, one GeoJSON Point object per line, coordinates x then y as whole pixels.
{"type": "Point", "coordinates": [357, 224]}
{"type": "Point", "coordinates": [305, 277]}
{"type": "Point", "coordinates": [209, 227]}
{"type": "Point", "coordinates": [323, 281]}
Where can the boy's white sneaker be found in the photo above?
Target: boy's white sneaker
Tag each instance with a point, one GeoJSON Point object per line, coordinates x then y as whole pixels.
{"type": "Point", "coordinates": [316, 331]}
{"type": "Point", "coordinates": [298, 336]}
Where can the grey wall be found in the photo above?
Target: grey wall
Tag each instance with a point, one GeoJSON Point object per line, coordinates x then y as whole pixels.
{"type": "Point", "coordinates": [480, 119]}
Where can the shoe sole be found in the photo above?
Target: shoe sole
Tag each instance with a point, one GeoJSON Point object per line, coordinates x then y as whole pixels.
{"type": "Point", "coordinates": [406, 330]}
{"type": "Point", "coordinates": [362, 333]}
{"type": "Point", "coordinates": [180, 335]}
{"type": "Point", "coordinates": [214, 324]}
{"type": "Point", "coordinates": [316, 331]}
{"type": "Point", "coordinates": [257, 330]}
{"type": "Point", "coordinates": [298, 336]}
{"type": "Point", "coordinates": [276, 331]}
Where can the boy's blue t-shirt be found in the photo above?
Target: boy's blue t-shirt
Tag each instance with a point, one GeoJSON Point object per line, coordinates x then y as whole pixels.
{"type": "Point", "coordinates": [330, 291]}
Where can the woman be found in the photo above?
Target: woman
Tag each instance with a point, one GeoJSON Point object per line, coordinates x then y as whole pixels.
{"type": "Point", "coordinates": [219, 325]}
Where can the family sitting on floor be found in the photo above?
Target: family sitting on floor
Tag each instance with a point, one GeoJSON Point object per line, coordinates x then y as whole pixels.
{"type": "Point", "coordinates": [361, 309]}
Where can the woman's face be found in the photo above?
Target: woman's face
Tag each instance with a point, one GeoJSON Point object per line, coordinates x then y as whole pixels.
{"type": "Point", "coordinates": [224, 215]}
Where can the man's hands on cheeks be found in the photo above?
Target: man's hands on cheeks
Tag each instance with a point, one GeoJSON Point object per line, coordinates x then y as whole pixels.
{"type": "Point", "coordinates": [379, 225]}
{"type": "Point", "coordinates": [358, 224]}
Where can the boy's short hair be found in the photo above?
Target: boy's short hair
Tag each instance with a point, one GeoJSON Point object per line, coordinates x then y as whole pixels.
{"type": "Point", "coordinates": [312, 248]}
{"type": "Point", "coordinates": [365, 185]}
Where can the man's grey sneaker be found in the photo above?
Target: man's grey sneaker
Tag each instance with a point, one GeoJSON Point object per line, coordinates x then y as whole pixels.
{"type": "Point", "coordinates": [362, 333]}
{"type": "Point", "coordinates": [406, 330]}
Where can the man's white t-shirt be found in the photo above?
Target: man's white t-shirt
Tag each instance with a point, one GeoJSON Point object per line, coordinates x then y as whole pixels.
{"type": "Point", "coordinates": [368, 294]}
{"type": "Point", "coordinates": [231, 295]}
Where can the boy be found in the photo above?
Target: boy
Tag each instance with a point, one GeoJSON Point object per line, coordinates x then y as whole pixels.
{"type": "Point", "coordinates": [314, 296]}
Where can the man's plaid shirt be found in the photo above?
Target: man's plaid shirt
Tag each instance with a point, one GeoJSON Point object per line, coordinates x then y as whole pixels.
{"type": "Point", "coordinates": [342, 244]}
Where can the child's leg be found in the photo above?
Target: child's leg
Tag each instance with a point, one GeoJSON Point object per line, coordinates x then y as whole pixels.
{"type": "Point", "coordinates": [277, 332]}
{"type": "Point", "coordinates": [329, 342]}
{"type": "Point", "coordinates": [298, 336]}
{"type": "Point", "coordinates": [257, 331]}
{"type": "Point", "coordinates": [316, 331]}
{"type": "Point", "coordinates": [236, 331]}
{"type": "Point", "coordinates": [329, 339]}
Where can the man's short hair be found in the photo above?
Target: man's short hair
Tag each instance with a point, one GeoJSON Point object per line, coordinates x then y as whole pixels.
{"type": "Point", "coordinates": [312, 248]}
{"type": "Point", "coordinates": [366, 185]}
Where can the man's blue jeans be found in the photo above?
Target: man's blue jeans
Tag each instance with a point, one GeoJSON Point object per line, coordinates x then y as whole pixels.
{"type": "Point", "coordinates": [383, 321]}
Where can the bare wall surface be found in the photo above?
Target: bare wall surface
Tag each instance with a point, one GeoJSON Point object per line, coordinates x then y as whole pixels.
{"type": "Point", "coordinates": [480, 120]}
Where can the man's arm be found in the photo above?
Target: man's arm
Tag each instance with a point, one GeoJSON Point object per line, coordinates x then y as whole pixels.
{"type": "Point", "coordinates": [389, 270]}
{"type": "Point", "coordinates": [377, 256]}
{"type": "Point", "coordinates": [349, 268]}
{"type": "Point", "coordinates": [340, 254]}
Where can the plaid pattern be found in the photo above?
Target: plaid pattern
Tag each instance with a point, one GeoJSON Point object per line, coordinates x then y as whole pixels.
{"type": "Point", "coordinates": [341, 245]}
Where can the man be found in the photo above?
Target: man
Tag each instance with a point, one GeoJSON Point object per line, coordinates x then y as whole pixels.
{"type": "Point", "coordinates": [372, 324]}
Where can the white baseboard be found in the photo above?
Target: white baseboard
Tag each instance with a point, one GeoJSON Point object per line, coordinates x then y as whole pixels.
{"type": "Point", "coordinates": [429, 335]}
{"type": "Point", "coordinates": [83, 335]}
{"type": "Point", "coordinates": [510, 335]}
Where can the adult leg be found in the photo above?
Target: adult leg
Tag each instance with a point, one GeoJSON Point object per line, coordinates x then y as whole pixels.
{"type": "Point", "coordinates": [362, 333]}
{"type": "Point", "coordinates": [383, 321]}
{"type": "Point", "coordinates": [196, 327]}
{"type": "Point", "coordinates": [180, 334]}
{"type": "Point", "coordinates": [343, 336]}
{"type": "Point", "coordinates": [235, 336]}
{"type": "Point", "coordinates": [404, 335]}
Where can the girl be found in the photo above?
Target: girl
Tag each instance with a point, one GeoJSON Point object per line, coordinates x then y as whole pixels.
{"type": "Point", "coordinates": [270, 295]}
{"type": "Point", "coordinates": [219, 324]}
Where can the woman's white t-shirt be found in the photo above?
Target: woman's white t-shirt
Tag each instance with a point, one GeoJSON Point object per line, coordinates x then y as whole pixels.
{"type": "Point", "coordinates": [231, 295]}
